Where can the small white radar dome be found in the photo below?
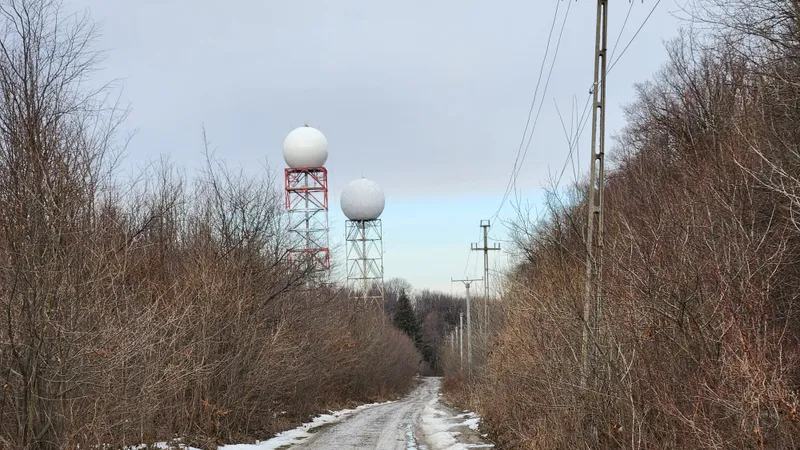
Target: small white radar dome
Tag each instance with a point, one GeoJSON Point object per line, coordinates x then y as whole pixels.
{"type": "Point", "coordinates": [363, 199]}
{"type": "Point", "coordinates": [305, 147]}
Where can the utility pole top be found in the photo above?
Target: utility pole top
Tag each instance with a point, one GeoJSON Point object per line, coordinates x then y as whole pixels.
{"type": "Point", "coordinates": [485, 224]}
{"type": "Point", "coordinates": [466, 282]}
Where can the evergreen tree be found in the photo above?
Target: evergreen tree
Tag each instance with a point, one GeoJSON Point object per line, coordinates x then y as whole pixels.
{"type": "Point", "coordinates": [405, 319]}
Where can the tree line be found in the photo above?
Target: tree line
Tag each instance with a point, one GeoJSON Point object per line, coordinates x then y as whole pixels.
{"type": "Point", "coordinates": [427, 320]}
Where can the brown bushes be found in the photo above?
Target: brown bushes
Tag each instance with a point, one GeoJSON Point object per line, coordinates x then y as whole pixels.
{"type": "Point", "coordinates": [134, 313]}
{"type": "Point", "coordinates": [699, 337]}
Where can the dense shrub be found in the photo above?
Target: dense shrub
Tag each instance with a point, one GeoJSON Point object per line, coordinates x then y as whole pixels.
{"type": "Point", "coordinates": [699, 334]}
{"type": "Point", "coordinates": [134, 312]}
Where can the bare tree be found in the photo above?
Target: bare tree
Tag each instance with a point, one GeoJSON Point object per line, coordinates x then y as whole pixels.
{"type": "Point", "coordinates": [130, 312]}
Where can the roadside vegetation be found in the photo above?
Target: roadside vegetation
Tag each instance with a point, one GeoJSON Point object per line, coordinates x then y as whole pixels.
{"type": "Point", "coordinates": [699, 334]}
{"type": "Point", "coordinates": [137, 311]}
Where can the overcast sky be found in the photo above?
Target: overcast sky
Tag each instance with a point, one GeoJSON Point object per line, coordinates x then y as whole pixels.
{"type": "Point", "coordinates": [427, 98]}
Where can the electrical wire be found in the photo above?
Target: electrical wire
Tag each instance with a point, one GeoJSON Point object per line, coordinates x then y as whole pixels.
{"type": "Point", "coordinates": [541, 104]}
{"type": "Point", "coordinates": [614, 63]}
{"type": "Point", "coordinates": [583, 119]}
{"type": "Point", "coordinates": [475, 269]}
{"type": "Point", "coordinates": [573, 142]}
{"type": "Point", "coordinates": [585, 115]}
{"type": "Point", "coordinates": [621, 30]}
{"type": "Point", "coordinates": [523, 149]}
{"type": "Point", "coordinates": [466, 266]}
{"type": "Point", "coordinates": [469, 256]}
{"type": "Point", "coordinates": [514, 170]}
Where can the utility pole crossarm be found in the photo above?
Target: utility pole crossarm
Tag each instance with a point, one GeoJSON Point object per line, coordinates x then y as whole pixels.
{"type": "Point", "coordinates": [475, 247]}
{"type": "Point", "coordinates": [467, 282]}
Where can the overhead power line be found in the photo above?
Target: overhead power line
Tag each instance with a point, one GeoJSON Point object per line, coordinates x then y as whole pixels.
{"type": "Point", "coordinates": [541, 103]}
{"type": "Point", "coordinates": [652, 10]}
{"type": "Point", "coordinates": [522, 150]}
{"type": "Point", "coordinates": [469, 257]}
{"type": "Point", "coordinates": [530, 128]}
{"type": "Point", "coordinates": [621, 30]}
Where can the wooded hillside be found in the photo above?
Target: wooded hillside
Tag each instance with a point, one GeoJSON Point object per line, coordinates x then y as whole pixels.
{"type": "Point", "coordinates": [699, 331]}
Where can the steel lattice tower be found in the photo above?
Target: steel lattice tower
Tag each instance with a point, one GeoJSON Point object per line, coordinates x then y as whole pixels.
{"type": "Point", "coordinates": [365, 259]}
{"type": "Point", "coordinates": [307, 207]}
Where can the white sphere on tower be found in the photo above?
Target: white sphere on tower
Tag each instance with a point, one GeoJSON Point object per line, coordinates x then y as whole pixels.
{"type": "Point", "coordinates": [305, 147]}
{"type": "Point", "coordinates": [363, 199]}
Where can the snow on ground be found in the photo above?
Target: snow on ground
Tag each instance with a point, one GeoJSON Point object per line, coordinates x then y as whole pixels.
{"type": "Point", "coordinates": [420, 421]}
{"type": "Point", "coordinates": [283, 439]}
{"type": "Point", "coordinates": [437, 424]}
{"type": "Point", "coordinates": [162, 445]}
{"type": "Point", "coordinates": [291, 437]}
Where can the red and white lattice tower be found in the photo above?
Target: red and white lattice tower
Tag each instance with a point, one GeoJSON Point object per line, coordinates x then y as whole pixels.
{"type": "Point", "coordinates": [305, 151]}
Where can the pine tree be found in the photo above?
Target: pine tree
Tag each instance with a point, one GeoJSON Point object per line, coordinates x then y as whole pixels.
{"type": "Point", "coordinates": [405, 319]}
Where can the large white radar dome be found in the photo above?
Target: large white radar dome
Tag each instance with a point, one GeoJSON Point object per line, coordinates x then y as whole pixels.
{"type": "Point", "coordinates": [305, 147]}
{"type": "Point", "coordinates": [363, 199]}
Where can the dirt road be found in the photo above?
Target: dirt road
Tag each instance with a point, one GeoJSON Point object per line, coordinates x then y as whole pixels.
{"type": "Point", "coordinates": [418, 421]}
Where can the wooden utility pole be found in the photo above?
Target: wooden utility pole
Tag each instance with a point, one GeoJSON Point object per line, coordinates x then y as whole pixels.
{"type": "Point", "coordinates": [485, 224]}
{"type": "Point", "coordinates": [592, 307]}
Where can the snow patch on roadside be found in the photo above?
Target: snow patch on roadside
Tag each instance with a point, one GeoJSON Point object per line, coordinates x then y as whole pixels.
{"type": "Point", "coordinates": [436, 425]}
{"type": "Point", "coordinates": [163, 445]}
{"type": "Point", "coordinates": [472, 423]}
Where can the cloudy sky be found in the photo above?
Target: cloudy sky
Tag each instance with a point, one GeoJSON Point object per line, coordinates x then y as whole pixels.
{"type": "Point", "coordinates": [427, 98]}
